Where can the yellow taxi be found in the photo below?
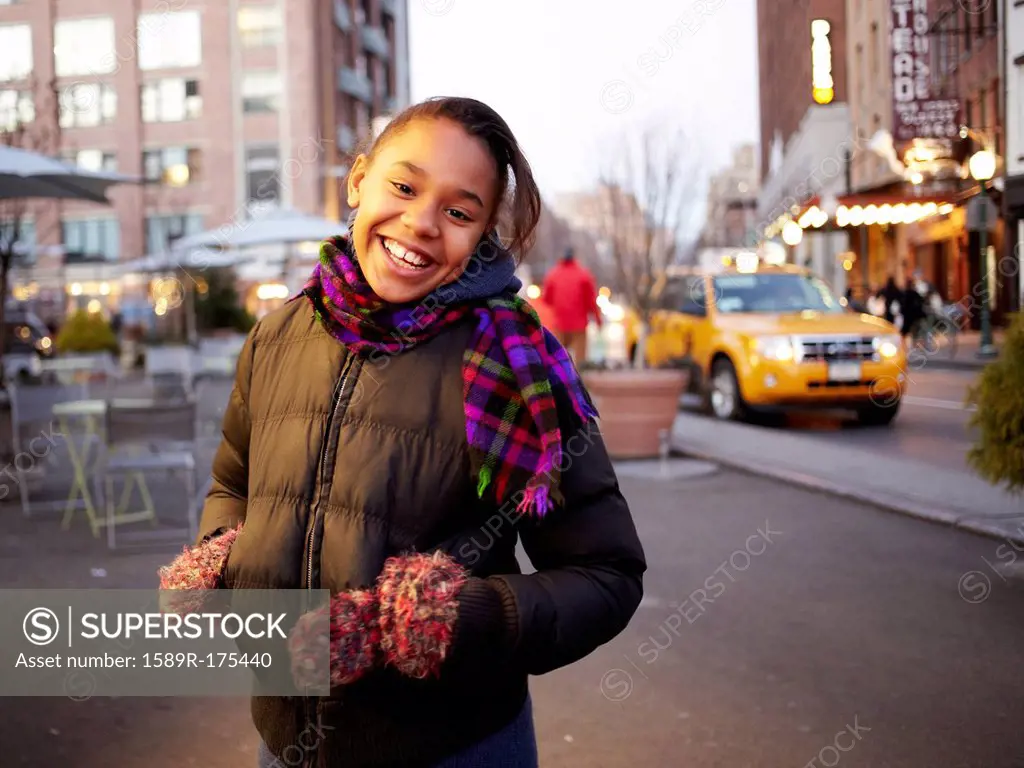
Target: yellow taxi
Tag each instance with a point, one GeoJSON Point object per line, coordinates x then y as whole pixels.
{"type": "Point", "coordinates": [768, 337]}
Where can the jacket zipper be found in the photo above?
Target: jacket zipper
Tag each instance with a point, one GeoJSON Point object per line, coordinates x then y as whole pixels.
{"type": "Point", "coordinates": [339, 390]}
{"type": "Point", "coordinates": [322, 466]}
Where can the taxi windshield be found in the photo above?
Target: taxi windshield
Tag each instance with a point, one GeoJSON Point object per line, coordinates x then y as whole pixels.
{"type": "Point", "coordinates": [774, 292]}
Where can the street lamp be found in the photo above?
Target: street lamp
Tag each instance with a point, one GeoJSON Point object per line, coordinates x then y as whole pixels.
{"type": "Point", "coordinates": [982, 166]}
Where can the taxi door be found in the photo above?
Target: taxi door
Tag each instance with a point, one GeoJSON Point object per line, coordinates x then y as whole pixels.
{"type": "Point", "coordinates": [701, 327]}
{"type": "Point", "coordinates": [680, 307]}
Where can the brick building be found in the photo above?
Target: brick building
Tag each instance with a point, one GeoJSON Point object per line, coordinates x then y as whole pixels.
{"type": "Point", "coordinates": [732, 202]}
{"type": "Point", "coordinates": [222, 106]}
{"type": "Point", "coordinates": [805, 123]}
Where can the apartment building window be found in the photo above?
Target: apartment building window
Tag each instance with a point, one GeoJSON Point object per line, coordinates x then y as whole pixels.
{"type": "Point", "coordinates": [362, 15]}
{"type": "Point", "coordinates": [860, 73]}
{"type": "Point", "coordinates": [362, 64]}
{"type": "Point", "coordinates": [983, 109]}
{"type": "Point", "coordinates": [24, 247]}
{"type": "Point", "coordinates": [174, 166]}
{"type": "Point", "coordinates": [15, 51]}
{"type": "Point", "coordinates": [84, 105]}
{"type": "Point", "coordinates": [262, 176]}
{"type": "Point", "coordinates": [84, 46]}
{"type": "Point", "coordinates": [163, 229]}
{"type": "Point", "coordinates": [171, 100]}
{"type": "Point", "coordinates": [388, 79]}
{"type": "Point", "coordinates": [170, 40]}
{"type": "Point", "coordinates": [92, 237]}
{"type": "Point", "coordinates": [874, 49]}
{"type": "Point", "coordinates": [997, 131]}
{"type": "Point", "coordinates": [259, 26]}
{"type": "Point", "coordinates": [16, 108]}
{"type": "Point", "coordinates": [945, 49]}
{"type": "Point", "coordinates": [361, 117]}
{"type": "Point", "coordinates": [92, 160]}
{"type": "Point", "coordinates": [261, 92]}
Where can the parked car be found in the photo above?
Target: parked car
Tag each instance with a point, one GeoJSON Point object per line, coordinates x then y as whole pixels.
{"type": "Point", "coordinates": [25, 330]}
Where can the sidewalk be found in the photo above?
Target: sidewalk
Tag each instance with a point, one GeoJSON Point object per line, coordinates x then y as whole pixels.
{"type": "Point", "coordinates": [966, 356]}
{"type": "Point", "coordinates": [957, 499]}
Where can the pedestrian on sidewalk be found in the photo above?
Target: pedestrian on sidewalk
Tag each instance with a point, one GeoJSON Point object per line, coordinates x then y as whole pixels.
{"type": "Point", "coordinates": [892, 295]}
{"type": "Point", "coordinates": [571, 292]}
{"type": "Point", "coordinates": [392, 431]}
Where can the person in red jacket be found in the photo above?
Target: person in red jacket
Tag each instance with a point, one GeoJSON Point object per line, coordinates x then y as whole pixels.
{"type": "Point", "coordinates": [571, 293]}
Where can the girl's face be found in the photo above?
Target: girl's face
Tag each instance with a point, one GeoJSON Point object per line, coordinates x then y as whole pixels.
{"type": "Point", "coordinates": [423, 205]}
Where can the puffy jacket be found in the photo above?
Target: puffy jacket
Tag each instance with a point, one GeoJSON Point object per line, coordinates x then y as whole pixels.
{"type": "Point", "coordinates": [571, 293]}
{"type": "Point", "coordinates": [335, 463]}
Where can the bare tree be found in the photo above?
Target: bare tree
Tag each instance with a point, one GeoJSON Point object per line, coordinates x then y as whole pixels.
{"type": "Point", "coordinates": [646, 209]}
{"type": "Point", "coordinates": [34, 125]}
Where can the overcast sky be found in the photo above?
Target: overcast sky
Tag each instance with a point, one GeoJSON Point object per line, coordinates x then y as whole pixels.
{"type": "Point", "coordinates": [568, 75]}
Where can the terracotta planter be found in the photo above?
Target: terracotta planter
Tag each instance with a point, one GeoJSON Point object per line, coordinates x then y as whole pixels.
{"type": "Point", "coordinates": [635, 406]}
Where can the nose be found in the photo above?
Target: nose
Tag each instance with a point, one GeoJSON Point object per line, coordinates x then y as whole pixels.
{"type": "Point", "coordinates": [420, 217]}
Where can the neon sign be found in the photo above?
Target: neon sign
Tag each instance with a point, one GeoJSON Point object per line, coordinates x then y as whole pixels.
{"type": "Point", "coordinates": [821, 62]}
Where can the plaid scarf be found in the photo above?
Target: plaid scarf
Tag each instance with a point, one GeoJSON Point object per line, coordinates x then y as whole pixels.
{"type": "Point", "coordinates": [512, 370]}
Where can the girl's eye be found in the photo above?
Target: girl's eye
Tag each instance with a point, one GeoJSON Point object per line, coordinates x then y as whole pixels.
{"type": "Point", "coordinates": [405, 189]}
{"type": "Point", "coordinates": [455, 213]}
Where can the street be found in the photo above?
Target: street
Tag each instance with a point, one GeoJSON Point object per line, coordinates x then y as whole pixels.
{"type": "Point", "coordinates": [775, 621]}
{"type": "Point", "coordinates": [931, 426]}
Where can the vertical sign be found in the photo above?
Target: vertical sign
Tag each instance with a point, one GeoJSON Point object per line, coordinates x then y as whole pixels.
{"type": "Point", "coordinates": [823, 87]}
{"type": "Point", "coordinates": [916, 115]}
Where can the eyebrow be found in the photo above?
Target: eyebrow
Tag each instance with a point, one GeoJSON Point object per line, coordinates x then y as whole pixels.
{"type": "Point", "coordinates": [464, 193]}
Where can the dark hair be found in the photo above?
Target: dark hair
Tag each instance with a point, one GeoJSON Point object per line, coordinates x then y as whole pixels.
{"type": "Point", "coordinates": [519, 203]}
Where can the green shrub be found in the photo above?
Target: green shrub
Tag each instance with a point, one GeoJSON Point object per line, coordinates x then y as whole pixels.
{"type": "Point", "coordinates": [998, 452]}
{"type": "Point", "coordinates": [218, 304]}
{"type": "Point", "coordinates": [87, 332]}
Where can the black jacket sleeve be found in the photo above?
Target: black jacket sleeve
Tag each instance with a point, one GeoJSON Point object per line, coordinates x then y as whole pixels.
{"type": "Point", "coordinates": [589, 578]}
{"type": "Point", "coordinates": [225, 503]}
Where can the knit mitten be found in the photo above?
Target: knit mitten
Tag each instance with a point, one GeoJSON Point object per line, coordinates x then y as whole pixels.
{"type": "Point", "coordinates": [354, 640]}
{"type": "Point", "coordinates": [197, 568]}
{"type": "Point", "coordinates": [418, 610]}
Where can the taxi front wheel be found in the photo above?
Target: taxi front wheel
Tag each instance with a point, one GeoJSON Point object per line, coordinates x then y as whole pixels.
{"type": "Point", "coordinates": [878, 414]}
{"type": "Point", "coordinates": [724, 399]}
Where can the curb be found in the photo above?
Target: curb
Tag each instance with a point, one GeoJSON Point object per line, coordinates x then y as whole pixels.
{"type": "Point", "coordinates": [888, 504]}
{"type": "Point", "coordinates": [955, 365]}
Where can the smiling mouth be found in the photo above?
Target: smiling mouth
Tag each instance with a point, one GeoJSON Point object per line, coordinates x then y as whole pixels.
{"type": "Point", "coordinates": [405, 258]}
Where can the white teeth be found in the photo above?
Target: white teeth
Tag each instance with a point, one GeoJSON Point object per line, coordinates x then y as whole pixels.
{"type": "Point", "coordinates": [405, 256]}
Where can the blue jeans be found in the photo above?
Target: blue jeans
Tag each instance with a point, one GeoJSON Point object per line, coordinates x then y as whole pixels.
{"type": "Point", "coordinates": [515, 746]}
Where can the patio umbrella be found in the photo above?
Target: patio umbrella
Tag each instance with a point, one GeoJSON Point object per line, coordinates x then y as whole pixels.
{"type": "Point", "coordinates": [196, 259]}
{"type": "Point", "coordinates": [25, 174]}
{"type": "Point", "coordinates": [279, 227]}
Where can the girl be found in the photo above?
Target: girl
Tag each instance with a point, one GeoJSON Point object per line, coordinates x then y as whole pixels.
{"type": "Point", "coordinates": [392, 431]}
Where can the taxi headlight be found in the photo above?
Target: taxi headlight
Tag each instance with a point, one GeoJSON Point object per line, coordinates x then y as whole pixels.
{"type": "Point", "coordinates": [887, 347]}
{"type": "Point", "coordinates": [775, 347]}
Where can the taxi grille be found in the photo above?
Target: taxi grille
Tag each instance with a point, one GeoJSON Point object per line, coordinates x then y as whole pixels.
{"type": "Point", "coordinates": [815, 385]}
{"type": "Point", "coordinates": [833, 349]}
